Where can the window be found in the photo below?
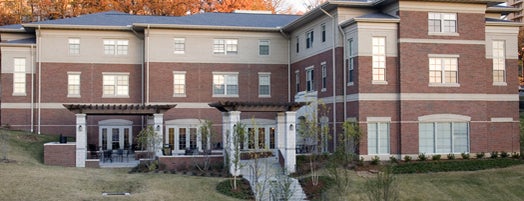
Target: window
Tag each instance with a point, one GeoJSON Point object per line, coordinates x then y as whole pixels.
{"type": "Point", "coordinates": [180, 45]}
{"type": "Point", "coordinates": [297, 43]}
{"type": "Point", "coordinates": [499, 62]}
{"type": "Point", "coordinates": [116, 47]}
{"type": "Point", "coordinates": [73, 84]}
{"type": "Point", "coordinates": [323, 27]}
{"type": "Point", "coordinates": [379, 58]}
{"type": "Point", "coordinates": [263, 47]}
{"type": "Point", "coordinates": [116, 85]}
{"type": "Point", "coordinates": [297, 80]}
{"type": "Point", "coordinates": [19, 79]}
{"type": "Point", "coordinates": [179, 83]}
{"type": "Point", "coordinates": [264, 84]}
{"type": "Point", "coordinates": [309, 39]}
{"type": "Point", "coordinates": [225, 84]}
{"type": "Point", "coordinates": [378, 138]}
{"type": "Point", "coordinates": [74, 46]}
{"type": "Point", "coordinates": [324, 75]}
{"type": "Point", "coordinates": [442, 22]}
{"type": "Point", "coordinates": [443, 70]}
{"type": "Point", "coordinates": [259, 137]}
{"type": "Point", "coordinates": [225, 46]}
{"type": "Point", "coordinates": [351, 62]}
{"type": "Point", "coordinates": [310, 84]}
{"type": "Point", "coordinates": [443, 137]}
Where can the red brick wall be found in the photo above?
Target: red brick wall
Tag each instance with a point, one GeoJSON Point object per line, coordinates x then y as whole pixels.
{"type": "Point", "coordinates": [60, 154]}
{"type": "Point", "coordinates": [414, 24]}
{"type": "Point", "coordinates": [188, 162]}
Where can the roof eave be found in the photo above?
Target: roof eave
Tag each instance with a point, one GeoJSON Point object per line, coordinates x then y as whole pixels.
{"type": "Point", "coordinates": [77, 27]}
{"type": "Point", "coordinates": [206, 27]}
{"type": "Point", "coordinates": [506, 24]}
{"type": "Point", "coordinates": [17, 44]}
{"type": "Point", "coordinates": [372, 20]}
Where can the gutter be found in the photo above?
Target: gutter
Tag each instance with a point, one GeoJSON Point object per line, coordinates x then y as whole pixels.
{"type": "Point", "coordinates": [39, 56]}
{"type": "Point", "coordinates": [207, 27]}
{"type": "Point", "coordinates": [32, 89]}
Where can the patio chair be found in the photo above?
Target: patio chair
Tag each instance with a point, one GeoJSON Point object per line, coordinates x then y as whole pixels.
{"type": "Point", "coordinates": [108, 155]}
{"type": "Point", "coordinates": [120, 154]}
{"type": "Point", "coordinates": [93, 152]}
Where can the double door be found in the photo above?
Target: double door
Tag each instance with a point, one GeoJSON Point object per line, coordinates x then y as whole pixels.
{"type": "Point", "coordinates": [115, 137]}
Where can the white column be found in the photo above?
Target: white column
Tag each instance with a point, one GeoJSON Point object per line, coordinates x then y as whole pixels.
{"type": "Point", "coordinates": [81, 140]}
{"type": "Point", "coordinates": [281, 133]}
{"type": "Point", "coordinates": [158, 120]}
{"type": "Point", "coordinates": [225, 131]}
{"type": "Point", "coordinates": [290, 142]}
{"type": "Point", "coordinates": [234, 118]}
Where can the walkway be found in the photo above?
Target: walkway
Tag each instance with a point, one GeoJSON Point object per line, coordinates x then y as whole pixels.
{"type": "Point", "coordinates": [271, 181]}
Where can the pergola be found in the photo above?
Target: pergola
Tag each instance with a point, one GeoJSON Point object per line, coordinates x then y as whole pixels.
{"type": "Point", "coordinates": [82, 110]}
{"type": "Point", "coordinates": [286, 124]}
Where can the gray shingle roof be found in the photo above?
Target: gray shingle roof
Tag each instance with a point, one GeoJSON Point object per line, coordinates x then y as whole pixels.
{"type": "Point", "coordinates": [378, 16]}
{"type": "Point", "coordinates": [113, 18]}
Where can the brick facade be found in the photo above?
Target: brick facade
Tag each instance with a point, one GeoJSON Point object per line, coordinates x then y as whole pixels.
{"type": "Point", "coordinates": [60, 154]}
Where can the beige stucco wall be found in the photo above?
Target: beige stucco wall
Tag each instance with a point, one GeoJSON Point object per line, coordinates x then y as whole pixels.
{"type": "Point", "coordinates": [442, 7]}
{"type": "Point", "coordinates": [199, 46]}
{"type": "Point", "coordinates": [91, 47]}
{"type": "Point", "coordinates": [366, 31]}
{"type": "Point", "coordinates": [508, 34]}
{"type": "Point", "coordinates": [10, 53]}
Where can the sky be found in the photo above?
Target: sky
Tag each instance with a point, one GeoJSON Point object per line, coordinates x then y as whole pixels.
{"type": "Point", "coordinates": [298, 5]}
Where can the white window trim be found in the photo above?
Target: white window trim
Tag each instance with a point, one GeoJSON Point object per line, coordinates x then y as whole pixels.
{"type": "Point", "coordinates": [185, 83]}
{"type": "Point", "coordinates": [310, 39]}
{"type": "Point", "coordinates": [380, 82]}
{"type": "Point", "coordinates": [268, 46]}
{"type": "Point", "coordinates": [323, 33]}
{"type": "Point", "coordinates": [225, 95]}
{"type": "Point", "coordinates": [311, 68]}
{"type": "Point", "coordinates": [351, 61]}
{"type": "Point", "coordinates": [452, 143]}
{"type": "Point", "coordinates": [69, 46]}
{"type": "Point", "coordinates": [79, 85]}
{"type": "Point", "coordinates": [24, 72]}
{"type": "Point", "coordinates": [503, 83]}
{"type": "Point", "coordinates": [264, 74]}
{"type": "Point", "coordinates": [175, 51]}
{"type": "Point", "coordinates": [434, 84]}
{"type": "Point", "coordinates": [323, 66]}
{"type": "Point", "coordinates": [379, 121]}
{"type": "Point", "coordinates": [456, 33]}
{"type": "Point", "coordinates": [225, 44]}
{"type": "Point", "coordinates": [116, 74]}
{"type": "Point", "coordinates": [116, 45]}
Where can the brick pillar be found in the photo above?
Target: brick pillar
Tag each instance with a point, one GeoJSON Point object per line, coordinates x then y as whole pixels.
{"type": "Point", "coordinates": [290, 142]}
{"type": "Point", "coordinates": [81, 140]}
{"type": "Point", "coordinates": [158, 120]}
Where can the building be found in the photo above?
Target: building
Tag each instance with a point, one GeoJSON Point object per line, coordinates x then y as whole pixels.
{"type": "Point", "coordinates": [517, 15]}
{"type": "Point", "coordinates": [433, 77]}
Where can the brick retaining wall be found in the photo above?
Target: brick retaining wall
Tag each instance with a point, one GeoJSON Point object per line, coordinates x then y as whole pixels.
{"type": "Point", "coordinates": [183, 162]}
{"type": "Point", "coordinates": [60, 154]}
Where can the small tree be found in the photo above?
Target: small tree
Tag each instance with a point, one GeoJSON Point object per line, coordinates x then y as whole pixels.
{"type": "Point", "coordinates": [383, 187]}
{"type": "Point", "coordinates": [206, 129]}
{"type": "Point", "coordinates": [239, 133]}
{"type": "Point", "coordinates": [149, 139]}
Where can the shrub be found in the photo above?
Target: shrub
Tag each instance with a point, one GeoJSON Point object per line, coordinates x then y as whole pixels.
{"type": "Point", "coordinates": [361, 161]}
{"type": "Point", "coordinates": [436, 157]}
{"type": "Point", "coordinates": [480, 155]}
{"type": "Point", "coordinates": [504, 154]}
{"type": "Point", "coordinates": [393, 159]}
{"type": "Point", "coordinates": [465, 156]}
{"type": "Point", "coordinates": [515, 155]}
{"type": "Point", "coordinates": [407, 158]}
{"type": "Point", "coordinates": [375, 160]}
{"type": "Point", "coordinates": [456, 165]}
{"type": "Point", "coordinates": [494, 154]}
{"type": "Point", "coordinates": [383, 187]}
{"type": "Point", "coordinates": [451, 156]}
{"type": "Point", "coordinates": [422, 157]}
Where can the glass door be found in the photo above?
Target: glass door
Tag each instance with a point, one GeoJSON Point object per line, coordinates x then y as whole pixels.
{"type": "Point", "coordinates": [115, 137]}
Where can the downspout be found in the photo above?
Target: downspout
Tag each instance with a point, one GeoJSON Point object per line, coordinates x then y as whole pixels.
{"type": "Point", "coordinates": [288, 64]}
{"type": "Point", "coordinates": [334, 82]}
{"type": "Point", "coordinates": [344, 65]}
{"type": "Point", "coordinates": [32, 107]}
{"type": "Point", "coordinates": [147, 64]}
{"type": "Point", "coordinates": [141, 72]}
{"type": "Point", "coordinates": [39, 56]}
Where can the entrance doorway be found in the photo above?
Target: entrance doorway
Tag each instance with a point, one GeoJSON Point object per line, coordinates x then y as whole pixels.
{"type": "Point", "coordinates": [115, 134]}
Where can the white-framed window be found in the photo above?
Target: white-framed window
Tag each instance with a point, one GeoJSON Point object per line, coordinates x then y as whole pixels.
{"type": "Point", "coordinates": [225, 84]}
{"type": "Point", "coordinates": [499, 62]}
{"type": "Point", "coordinates": [309, 39]}
{"type": "Point", "coordinates": [297, 81]}
{"type": "Point", "coordinates": [310, 79]}
{"type": "Point", "coordinates": [225, 46]}
{"type": "Point", "coordinates": [180, 45]}
{"type": "Point", "coordinates": [179, 83]}
{"type": "Point", "coordinates": [351, 62]}
{"type": "Point", "coordinates": [443, 137]}
{"type": "Point", "coordinates": [442, 22]}
{"type": "Point", "coordinates": [263, 47]}
{"type": "Point", "coordinates": [19, 78]}
{"type": "Point", "coordinates": [323, 29]}
{"type": "Point", "coordinates": [116, 47]}
{"type": "Point", "coordinates": [74, 46]}
{"type": "Point", "coordinates": [443, 70]}
{"type": "Point", "coordinates": [378, 138]}
{"type": "Point", "coordinates": [379, 59]}
{"type": "Point", "coordinates": [73, 84]}
{"type": "Point", "coordinates": [323, 66]}
{"type": "Point", "coordinates": [264, 84]}
{"type": "Point", "coordinates": [297, 44]}
{"type": "Point", "coordinates": [115, 84]}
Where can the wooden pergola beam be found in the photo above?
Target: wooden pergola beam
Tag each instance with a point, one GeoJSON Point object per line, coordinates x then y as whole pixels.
{"type": "Point", "coordinates": [118, 109]}
{"type": "Point", "coordinates": [228, 106]}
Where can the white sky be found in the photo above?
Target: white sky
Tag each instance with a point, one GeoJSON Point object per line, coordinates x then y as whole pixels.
{"type": "Point", "coordinates": [298, 5]}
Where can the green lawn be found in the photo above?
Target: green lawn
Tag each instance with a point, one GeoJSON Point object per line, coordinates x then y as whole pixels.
{"type": "Point", "coordinates": [28, 179]}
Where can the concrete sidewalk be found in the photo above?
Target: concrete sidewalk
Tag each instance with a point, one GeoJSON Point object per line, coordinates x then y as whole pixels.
{"type": "Point", "coordinates": [268, 181]}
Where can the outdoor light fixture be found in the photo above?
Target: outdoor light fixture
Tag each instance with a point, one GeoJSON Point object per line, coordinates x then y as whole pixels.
{"type": "Point", "coordinates": [157, 127]}
{"type": "Point", "coordinates": [80, 128]}
{"type": "Point", "coordinates": [291, 127]}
